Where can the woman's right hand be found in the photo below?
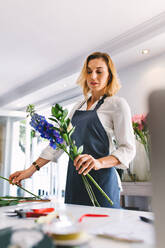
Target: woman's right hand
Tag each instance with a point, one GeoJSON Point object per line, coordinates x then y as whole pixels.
{"type": "Point", "coordinates": [18, 176]}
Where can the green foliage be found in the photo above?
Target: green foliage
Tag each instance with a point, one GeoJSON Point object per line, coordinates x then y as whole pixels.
{"type": "Point", "coordinates": [68, 121]}
{"type": "Point", "coordinates": [71, 131]}
{"type": "Point", "coordinates": [13, 200]}
{"type": "Point", "coordinates": [30, 110]}
{"type": "Point", "coordinates": [59, 116]}
{"type": "Point", "coordinates": [4, 203]}
{"type": "Point", "coordinates": [53, 119]}
{"type": "Point", "coordinates": [80, 150]}
{"type": "Point", "coordinates": [74, 149]}
{"type": "Point", "coordinates": [33, 133]}
{"type": "Point", "coordinates": [65, 137]}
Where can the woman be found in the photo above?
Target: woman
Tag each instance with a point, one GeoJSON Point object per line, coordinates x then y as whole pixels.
{"type": "Point", "coordinates": [98, 119]}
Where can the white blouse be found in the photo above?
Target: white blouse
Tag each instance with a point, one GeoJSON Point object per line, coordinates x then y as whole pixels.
{"type": "Point", "coordinates": [115, 116]}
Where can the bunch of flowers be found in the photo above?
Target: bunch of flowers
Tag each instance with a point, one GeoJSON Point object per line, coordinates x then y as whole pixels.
{"type": "Point", "coordinates": [46, 130]}
{"type": "Point", "coordinates": [141, 130]}
{"type": "Point", "coordinates": [59, 136]}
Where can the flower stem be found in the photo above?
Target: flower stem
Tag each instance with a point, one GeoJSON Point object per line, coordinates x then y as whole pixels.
{"type": "Point", "coordinates": [22, 188]}
{"type": "Point", "coordinates": [87, 187]}
{"type": "Point", "coordinates": [99, 188]}
{"type": "Point", "coordinates": [65, 150]}
{"type": "Point", "coordinates": [88, 190]}
{"type": "Point", "coordinates": [91, 190]}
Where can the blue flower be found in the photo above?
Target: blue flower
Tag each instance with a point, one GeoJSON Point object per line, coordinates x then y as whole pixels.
{"type": "Point", "coordinates": [53, 145]}
{"type": "Point", "coordinates": [56, 134]}
{"type": "Point", "coordinates": [46, 130]}
{"type": "Point", "coordinates": [59, 140]}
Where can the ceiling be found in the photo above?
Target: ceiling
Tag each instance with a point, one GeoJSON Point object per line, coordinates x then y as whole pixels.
{"type": "Point", "coordinates": [44, 43]}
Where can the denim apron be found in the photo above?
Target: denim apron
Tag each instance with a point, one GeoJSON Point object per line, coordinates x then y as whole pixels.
{"type": "Point", "coordinates": [90, 133]}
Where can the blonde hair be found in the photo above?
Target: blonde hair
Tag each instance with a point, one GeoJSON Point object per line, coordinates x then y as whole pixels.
{"type": "Point", "coordinates": [113, 84]}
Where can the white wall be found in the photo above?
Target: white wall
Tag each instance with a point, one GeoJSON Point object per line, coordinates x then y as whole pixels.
{"type": "Point", "coordinates": [139, 80]}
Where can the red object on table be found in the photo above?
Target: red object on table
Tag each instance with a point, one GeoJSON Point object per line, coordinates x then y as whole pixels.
{"type": "Point", "coordinates": [33, 215]}
{"type": "Point", "coordinates": [43, 210]}
{"type": "Point", "coordinates": [92, 215]}
{"type": "Point", "coordinates": [30, 213]}
{"type": "Point", "coordinates": [38, 212]}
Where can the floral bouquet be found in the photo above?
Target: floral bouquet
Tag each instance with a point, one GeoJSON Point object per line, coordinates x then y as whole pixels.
{"type": "Point", "coordinates": [141, 130]}
{"type": "Point", "coordinates": [59, 136]}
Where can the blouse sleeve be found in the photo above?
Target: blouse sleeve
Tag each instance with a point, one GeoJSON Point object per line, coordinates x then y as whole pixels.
{"type": "Point", "coordinates": [124, 134]}
{"type": "Point", "coordinates": [51, 154]}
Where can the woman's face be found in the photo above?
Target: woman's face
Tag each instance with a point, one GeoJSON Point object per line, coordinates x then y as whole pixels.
{"type": "Point", "coordinates": [97, 74]}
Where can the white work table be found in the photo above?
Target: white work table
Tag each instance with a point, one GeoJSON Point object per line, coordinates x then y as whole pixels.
{"type": "Point", "coordinates": [119, 222]}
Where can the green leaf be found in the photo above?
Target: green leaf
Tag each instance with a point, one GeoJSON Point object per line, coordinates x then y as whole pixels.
{"type": "Point", "coordinates": [65, 112]}
{"type": "Point", "coordinates": [65, 137]}
{"type": "Point", "coordinates": [80, 150]}
{"type": "Point", "coordinates": [62, 120]}
{"type": "Point", "coordinates": [33, 133]}
{"type": "Point", "coordinates": [16, 197]}
{"type": "Point", "coordinates": [75, 150]}
{"type": "Point", "coordinates": [65, 126]}
{"type": "Point", "coordinates": [63, 146]}
{"type": "Point", "coordinates": [4, 203]}
{"type": "Point", "coordinates": [52, 119]}
{"type": "Point", "coordinates": [54, 111]}
{"type": "Point", "coordinates": [30, 109]}
{"type": "Point", "coordinates": [58, 107]}
{"type": "Point", "coordinates": [58, 148]}
{"type": "Point", "coordinates": [135, 124]}
{"type": "Point", "coordinates": [68, 121]}
{"type": "Point", "coordinates": [71, 131]}
{"type": "Point", "coordinates": [59, 113]}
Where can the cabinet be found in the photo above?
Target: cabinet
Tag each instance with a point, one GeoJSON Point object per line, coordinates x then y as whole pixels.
{"type": "Point", "coordinates": [135, 189]}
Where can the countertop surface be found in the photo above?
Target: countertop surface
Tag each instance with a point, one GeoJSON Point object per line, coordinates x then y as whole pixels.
{"type": "Point", "coordinates": [121, 223]}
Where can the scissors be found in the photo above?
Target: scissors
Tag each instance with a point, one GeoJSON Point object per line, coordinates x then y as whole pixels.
{"type": "Point", "coordinates": [32, 213]}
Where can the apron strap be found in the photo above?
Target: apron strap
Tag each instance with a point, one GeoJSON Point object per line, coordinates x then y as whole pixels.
{"type": "Point", "coordinates": [101, 101]}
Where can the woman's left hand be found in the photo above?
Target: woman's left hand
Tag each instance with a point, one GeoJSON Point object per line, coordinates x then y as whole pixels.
{"type": "Point", "coordinates": [85, 163]}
